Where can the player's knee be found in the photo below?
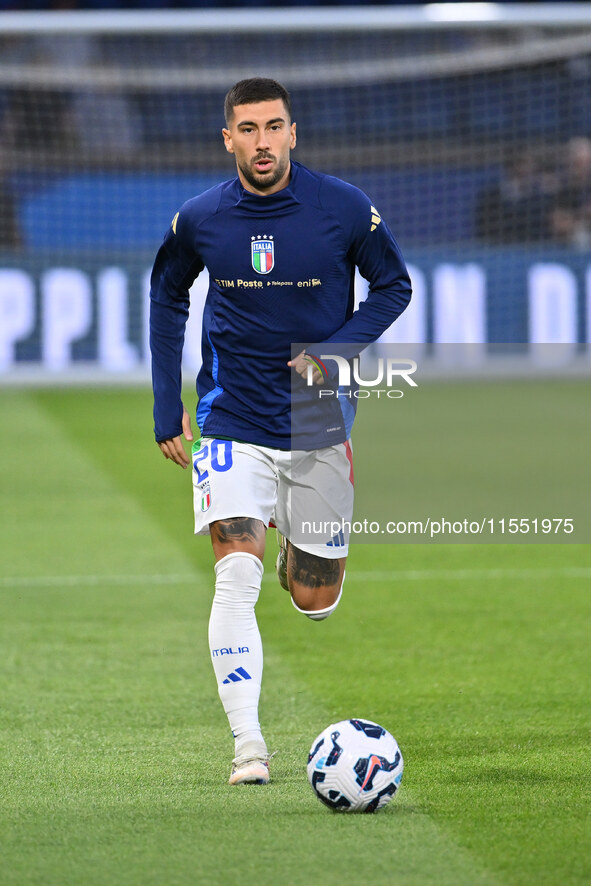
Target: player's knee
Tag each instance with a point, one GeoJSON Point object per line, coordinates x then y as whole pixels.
{"type": "Point", "coordinates": [238, 580]}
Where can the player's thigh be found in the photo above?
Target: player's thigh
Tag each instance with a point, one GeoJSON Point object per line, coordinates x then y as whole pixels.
{"type": "Point", "coordinates": [245, 534]}
{"type": "Point", "coordinates": [234, 494]}
{"type": "Point", "coordinates": [314, 505]}
{"type": "Point", "coordinates": [314, 511]}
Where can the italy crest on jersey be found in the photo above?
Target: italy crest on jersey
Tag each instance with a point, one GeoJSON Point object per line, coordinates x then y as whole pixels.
{"type": "Point", "coordinates": [262, 253]}
{"type": "Point", "coordinates": [205, 496]}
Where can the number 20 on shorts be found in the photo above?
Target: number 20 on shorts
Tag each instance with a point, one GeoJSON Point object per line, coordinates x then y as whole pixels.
{"type": "Point", "coordinates": [220, 460]}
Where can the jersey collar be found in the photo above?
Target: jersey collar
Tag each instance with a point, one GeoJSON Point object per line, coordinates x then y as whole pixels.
{"type": "Point", "coordinates": [280, 200]}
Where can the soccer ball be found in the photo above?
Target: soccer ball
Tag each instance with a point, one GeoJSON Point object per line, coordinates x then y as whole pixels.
{"type": "Point", "coordinates": [355, 766]}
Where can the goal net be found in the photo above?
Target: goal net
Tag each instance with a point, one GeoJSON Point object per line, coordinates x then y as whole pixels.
{"type": "Point", "coordinates": [473, 139]}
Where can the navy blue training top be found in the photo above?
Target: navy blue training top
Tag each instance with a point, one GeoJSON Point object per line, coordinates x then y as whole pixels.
{"type": "Point", "coordinates": [281, 271]}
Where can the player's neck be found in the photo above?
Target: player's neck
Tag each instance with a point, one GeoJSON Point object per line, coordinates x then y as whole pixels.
{"type": "Point", "coordinates": [266, 192]}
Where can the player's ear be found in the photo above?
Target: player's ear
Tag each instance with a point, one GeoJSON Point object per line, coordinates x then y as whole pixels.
{"type": "Point", "coordinates": [228, 140]}
{"type": "Point", "coordinates": [293, 139]}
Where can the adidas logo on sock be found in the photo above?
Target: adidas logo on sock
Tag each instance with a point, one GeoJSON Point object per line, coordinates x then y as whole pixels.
{"type": "Point", "coordinates": [237, 675]}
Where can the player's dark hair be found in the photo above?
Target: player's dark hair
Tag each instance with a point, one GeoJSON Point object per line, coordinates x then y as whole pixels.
{"type": "Point", "coordinates": [253, 90]}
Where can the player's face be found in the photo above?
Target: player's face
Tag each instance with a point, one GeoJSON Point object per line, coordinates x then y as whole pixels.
{"type": "Point", "coordinates": [260, 137]}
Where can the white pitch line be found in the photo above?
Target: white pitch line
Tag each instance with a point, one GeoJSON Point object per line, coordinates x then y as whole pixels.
{"type": "Point", "coordinates": [54, 581]}
{"type": "Point", "coordinates": [463, 574]}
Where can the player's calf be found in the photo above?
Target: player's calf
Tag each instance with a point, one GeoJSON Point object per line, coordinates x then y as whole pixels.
{"type": "Point", "coordinates": [315, 583]}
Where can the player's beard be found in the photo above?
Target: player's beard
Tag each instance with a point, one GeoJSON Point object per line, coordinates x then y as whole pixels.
{"type": "Point", "coordinates": [263, 181]}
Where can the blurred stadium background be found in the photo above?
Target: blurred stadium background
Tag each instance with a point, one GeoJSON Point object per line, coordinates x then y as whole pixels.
{"type": "Point", "coordinates": [469, 125]}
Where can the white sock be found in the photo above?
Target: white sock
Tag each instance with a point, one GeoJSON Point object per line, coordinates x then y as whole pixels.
{"type": "Point", "coordinates": [236, 648]}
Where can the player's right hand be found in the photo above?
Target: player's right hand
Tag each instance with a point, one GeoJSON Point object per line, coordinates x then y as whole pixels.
{"type": "Point", "coordinates": [174, 449]}
{"type": "Point", "coordinates": [302, 364]}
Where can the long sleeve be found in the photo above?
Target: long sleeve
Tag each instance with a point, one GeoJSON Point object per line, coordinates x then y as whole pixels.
{"type": "Point", "coordinates": [377, 255]}
{"type": "Point", "coordinates": [175, 268]}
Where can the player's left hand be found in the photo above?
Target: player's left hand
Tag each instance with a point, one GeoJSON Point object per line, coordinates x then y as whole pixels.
{"type": "Point", "coordinates": [302, 364]}
{"type": "Point", "coordinates": [174, 449]}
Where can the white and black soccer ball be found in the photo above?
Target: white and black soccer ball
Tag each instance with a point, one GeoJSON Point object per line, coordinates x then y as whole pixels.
{"type": "Point", "coordinates": [355, 766]}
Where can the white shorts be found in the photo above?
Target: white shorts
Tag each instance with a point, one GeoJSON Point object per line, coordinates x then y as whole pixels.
{"type": "Point", "coordinates": [308, 496]}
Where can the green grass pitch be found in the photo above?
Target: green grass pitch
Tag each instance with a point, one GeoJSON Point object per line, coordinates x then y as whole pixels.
{"type": "Point", "coordinates": [115, 752]}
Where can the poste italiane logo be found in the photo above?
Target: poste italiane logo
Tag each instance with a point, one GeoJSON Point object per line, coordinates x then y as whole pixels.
{"type": "Point", "coordinates": [262, 253]}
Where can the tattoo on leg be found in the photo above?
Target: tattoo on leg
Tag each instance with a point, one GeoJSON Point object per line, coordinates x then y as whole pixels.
{"type": "Point", "coordinates": [246, 529]}
{"type": "Point", "coordinates": [310, 570]}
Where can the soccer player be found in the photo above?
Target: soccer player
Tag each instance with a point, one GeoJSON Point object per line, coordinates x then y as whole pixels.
{"type": "Point", "coordinates": [280, 243]}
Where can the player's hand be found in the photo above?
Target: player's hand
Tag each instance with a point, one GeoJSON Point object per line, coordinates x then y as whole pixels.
{"type": "Point", "coordinates": [302, 364]}
{"type": "Point", "coordinates": [174, 449]}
